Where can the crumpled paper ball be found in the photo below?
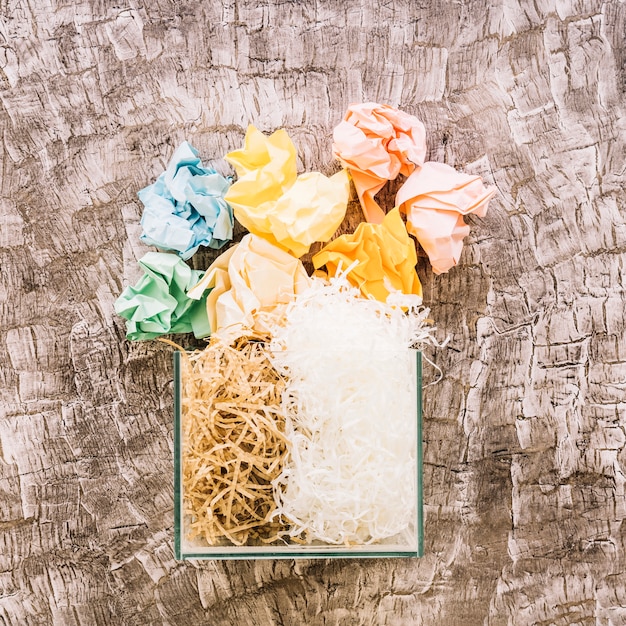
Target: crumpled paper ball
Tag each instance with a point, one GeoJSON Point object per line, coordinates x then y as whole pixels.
{"type": "Point", "coordinates": [159, 304]}
{"type": "Point", "coordinates": [251, 284]}
{"type": "Point", "coordinates": [435, 197]}
{"type": "Point", "coordinates": [185, 208]}
{"type": "Point", "coordinates": [266, 165]}
{"type": "Point", "coordinates": [377, 142]}
{"type": "Point", "coordinates": [386, 258]}
{"type": "Point", "coordinates": [271, 201]}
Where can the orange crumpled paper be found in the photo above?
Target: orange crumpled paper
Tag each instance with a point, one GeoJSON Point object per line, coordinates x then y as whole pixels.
{"type": "Point", "coordinates": [386, 258]}
{"type": "Point", "coordinates": [435, 198]}
{"type": "Point", "coordinates": [251, 284]}
{"type": "Point", "coordinates": [376, 143]}
{"type": "Point", "coordinates": [273, 202]}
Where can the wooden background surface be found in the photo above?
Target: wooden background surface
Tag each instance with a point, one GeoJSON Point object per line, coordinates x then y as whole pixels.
{"type": "Point", "coordinates": [525, 444]}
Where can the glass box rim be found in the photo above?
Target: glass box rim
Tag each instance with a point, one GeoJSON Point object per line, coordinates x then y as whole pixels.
{"type": "Point", "coordinates": [292, 550]}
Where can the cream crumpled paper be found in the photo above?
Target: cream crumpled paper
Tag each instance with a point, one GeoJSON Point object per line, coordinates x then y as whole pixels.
{"type": "Point", "coordinates": [435, 198]}
{"type": "Point", "coordinates": [273, 202]}
{"type": "Point", "coordinates": [376, 143]}
{"type": "Point", "coordinates": [386, 258]}
{"type": "Point", "coordinates": [251, 284]}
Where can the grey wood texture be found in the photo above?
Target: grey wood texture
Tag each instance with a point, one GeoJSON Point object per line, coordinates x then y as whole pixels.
{"type": "Point", "coordinates": [525, 444]}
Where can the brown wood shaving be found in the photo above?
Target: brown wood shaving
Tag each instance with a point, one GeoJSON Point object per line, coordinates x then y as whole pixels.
{"type": "Point", "coordinates": [233, 443]}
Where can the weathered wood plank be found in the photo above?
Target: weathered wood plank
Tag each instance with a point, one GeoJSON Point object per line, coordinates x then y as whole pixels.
{"type": "Point", "coordinates": [525, 436]}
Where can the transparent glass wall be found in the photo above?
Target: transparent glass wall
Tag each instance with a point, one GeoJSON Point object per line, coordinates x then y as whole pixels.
{"type": "Point", "coordinates": [362, 499]}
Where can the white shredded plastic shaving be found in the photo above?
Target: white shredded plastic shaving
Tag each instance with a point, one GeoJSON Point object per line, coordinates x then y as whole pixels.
{"type": "Point", "coordinates": [349, 476]}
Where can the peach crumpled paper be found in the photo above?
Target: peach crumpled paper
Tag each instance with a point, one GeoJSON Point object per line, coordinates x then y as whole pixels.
{"type": "Point", "coordinates": [386, 258]}
{"type": "Point", "coordinates": [251, 284]}
{"type": "Point", "coordinates": [376, 143]}
{"type": "Point", "coordinates": [273, 202]}
{"type": "Point", "coordinates": [435, 198]}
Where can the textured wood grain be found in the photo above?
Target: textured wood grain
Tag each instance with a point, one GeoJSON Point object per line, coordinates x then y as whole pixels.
{"type": "Point", "coordinates": [525, 438]}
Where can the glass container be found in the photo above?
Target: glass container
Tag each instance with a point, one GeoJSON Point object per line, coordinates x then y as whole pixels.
{"type": "Point", "coordinates": [404, 400]}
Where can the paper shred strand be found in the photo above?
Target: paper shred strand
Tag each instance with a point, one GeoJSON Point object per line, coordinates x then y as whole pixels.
{"type": "Point", "coordinates": [233, 443]}
{"type": "Point", "coordinates": [349, 477]}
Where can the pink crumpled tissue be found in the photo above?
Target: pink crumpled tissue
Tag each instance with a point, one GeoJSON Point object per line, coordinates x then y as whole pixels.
{"type": "Point", "coordinates": [376, 142]}
{"type": "Point", "coordinates": [435, 197]}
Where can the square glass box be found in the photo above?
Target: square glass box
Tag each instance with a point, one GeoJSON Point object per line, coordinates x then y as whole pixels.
{"type": "Point", "coordinates": [408, 544]}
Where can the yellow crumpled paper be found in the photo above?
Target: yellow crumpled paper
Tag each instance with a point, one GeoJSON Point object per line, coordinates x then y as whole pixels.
{"type": "Point", "coordinates": [376, 143]}
{"type": "Point", "coordinates": [251, 284]}
{"type": "Point", "coordinates": [266, 166]}
{"type": "Point", "coordinates": [435, 198]}
{"type": "Point", "coordinates": [386, 258]}
{"type": "Point", "coordinates": [271, 201]}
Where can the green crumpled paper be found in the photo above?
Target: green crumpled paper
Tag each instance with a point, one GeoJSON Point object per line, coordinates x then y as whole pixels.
{"type": "Point", "coordinates": [158, 304]}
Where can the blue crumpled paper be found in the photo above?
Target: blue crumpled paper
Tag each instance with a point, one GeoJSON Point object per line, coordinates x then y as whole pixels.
{"type": "Point", "coordinates": [185, 207]}
{"type": "Point", "coordinates": [158, 304]}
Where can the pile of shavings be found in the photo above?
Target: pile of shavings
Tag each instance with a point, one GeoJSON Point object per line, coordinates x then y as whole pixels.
{"type": "Point", "coordinates": [349, 475]}
{"type": "Point", "coordinates": [234, 443]}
